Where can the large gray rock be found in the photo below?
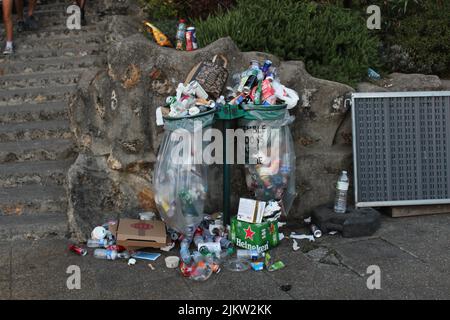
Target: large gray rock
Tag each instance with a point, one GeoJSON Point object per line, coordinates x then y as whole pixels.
{"type": "Point", "coordinates": [113, 121]}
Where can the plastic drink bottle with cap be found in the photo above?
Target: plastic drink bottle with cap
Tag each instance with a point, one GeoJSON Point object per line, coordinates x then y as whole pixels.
{"type": "Point", "coordinates": [184, 251]}
{"type": "Point", "coordinates": [249, 254]}
{"type": "Point", "coordinates": [181, 33]}
{"type": "Point", "coordinates": [340, 204]}
{"type": "Point", "coordinates": [106, 254]}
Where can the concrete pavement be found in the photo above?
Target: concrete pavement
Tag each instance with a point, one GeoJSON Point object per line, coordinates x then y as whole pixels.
{"type": "Point", "coordinates": [412, 254]}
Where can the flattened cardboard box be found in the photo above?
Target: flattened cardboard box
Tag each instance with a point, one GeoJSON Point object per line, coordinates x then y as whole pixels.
{"type": "Point", "coordinates": [137, 234]}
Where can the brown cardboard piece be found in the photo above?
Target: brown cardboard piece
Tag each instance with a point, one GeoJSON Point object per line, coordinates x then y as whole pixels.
{"type": "Point", "coordinates": [137, 234]}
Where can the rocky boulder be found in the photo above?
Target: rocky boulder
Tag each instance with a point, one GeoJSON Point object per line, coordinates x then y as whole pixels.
{"type": "Point", "coordinates": [113, 121]}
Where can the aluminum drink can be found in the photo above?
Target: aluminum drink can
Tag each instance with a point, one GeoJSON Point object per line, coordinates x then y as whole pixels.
{"type": "Point", "coordinates": [267, 64]}
{"type": "Point", "coordinates": [189, 44]}
{"type": "Point", "coordinates": [78, 250]}
{"type": "Point", "coordinates": [192, 31]}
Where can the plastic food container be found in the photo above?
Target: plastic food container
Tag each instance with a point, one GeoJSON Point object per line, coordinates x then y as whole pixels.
{"type": "Point", "coordinates": [172, 262]}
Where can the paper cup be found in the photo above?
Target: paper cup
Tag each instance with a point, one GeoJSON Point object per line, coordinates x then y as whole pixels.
{"type": "Point", "coordinates": [172, 262]}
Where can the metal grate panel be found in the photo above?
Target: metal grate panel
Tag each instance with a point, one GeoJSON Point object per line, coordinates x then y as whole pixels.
{"type": "Point", "coordinates": [401, 146]}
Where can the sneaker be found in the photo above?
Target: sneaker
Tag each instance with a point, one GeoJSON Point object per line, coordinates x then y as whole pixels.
{"type": "Point", "coordinates": [31, 23]}
{"type": "Point", "coordinates": [21, 26]}
{"type": "Point", "coordinates": [8, 51]}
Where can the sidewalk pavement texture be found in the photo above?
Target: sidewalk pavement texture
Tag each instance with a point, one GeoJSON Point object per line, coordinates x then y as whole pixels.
{"type": "Point", "coordinates": [412, 253]}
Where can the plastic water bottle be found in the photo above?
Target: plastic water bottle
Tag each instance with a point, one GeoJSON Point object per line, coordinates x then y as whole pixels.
{"type": "Point", "coordinates": [184, 250]}
{"type": "Point", "coordinates": [340, 204]}
{"type": "Point", "coordinates": [105, 254]}
{"type": "Point", "coordinates": [94, 243]}
{"type": "Point", "coordinates": [249, 254]}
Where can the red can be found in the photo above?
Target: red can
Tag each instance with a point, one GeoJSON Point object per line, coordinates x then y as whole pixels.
{"type": "Point", "coordinates": [189, 40]}
{"type": "Point", "coordinates": [78, 250]}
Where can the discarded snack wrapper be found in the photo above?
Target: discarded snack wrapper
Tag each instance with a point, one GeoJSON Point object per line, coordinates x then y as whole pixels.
{"type": "Point", "coordinates": [277, 266]}
{"type": "Point", "coordinates": [159, 37]}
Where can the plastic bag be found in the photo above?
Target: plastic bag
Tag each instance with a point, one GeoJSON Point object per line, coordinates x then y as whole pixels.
{"type": "Point", "coordinates": [288, 96]}
{"type": "Point", "coordinates": [270, 155]}
{"type": "Point", "coordinates": [180, 181]}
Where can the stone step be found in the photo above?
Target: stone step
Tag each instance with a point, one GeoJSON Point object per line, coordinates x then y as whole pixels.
{"type": "Point", "coordinates": [37, 150]}
{"type": "Point", "coordinates": [68, 51]}
{"type": "Point", "coordinates": [56, 32]}
{"type": "Point", "coordinates": [59, 42]}
{"type": "Point", "coordinates": [32, 199]}
{"type": "Point", "coordinates": [34, 172]}
{"type": "Point", "coordinates": [35, 130]}
{"type": "Point", "coordinates": [31, 227]}
{"type": "Point", "coordinates": [18, 64]}
{"type": "Point", "coordinates": [52, 110]}
{"type": "Point", "coordinates": [52, 30]}
{"type": "Point", "coordinates": [36, 94]}
{"type": "Point", "coordinates": [40, 79]}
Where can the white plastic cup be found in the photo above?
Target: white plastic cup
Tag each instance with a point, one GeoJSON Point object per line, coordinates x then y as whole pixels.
{"type": "Point", "coordinates": [99, 233]}
{"type": "Point", "coordinates": [172, 262]}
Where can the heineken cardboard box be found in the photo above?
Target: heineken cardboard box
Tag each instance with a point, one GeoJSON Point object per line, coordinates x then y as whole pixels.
{"type": "Point", "coordinates": [254, 236]}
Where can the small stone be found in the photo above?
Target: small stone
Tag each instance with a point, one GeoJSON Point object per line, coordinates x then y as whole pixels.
{"type": "Point", "coordinates": [286, 287]}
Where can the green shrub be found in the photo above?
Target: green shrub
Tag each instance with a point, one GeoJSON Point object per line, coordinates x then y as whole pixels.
{"type": "Point", "coordinates": [424, 39]}
{"type": "Point", "coordinates": [333, 42]}
{"type": "Point", "coordinates": [188, 9]}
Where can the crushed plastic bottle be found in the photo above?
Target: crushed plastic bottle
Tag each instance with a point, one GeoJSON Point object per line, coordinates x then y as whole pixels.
{"type": "Point", "coordinates": [103, 243]}
{"type": "Point", "coordinates": [340, 204]}
{"type": "Point", "coordinates": [106, 254]}
{"type": "Point", "coordinates": [249, 254]}
{"type": "Point", "coordinates": [184, 251]}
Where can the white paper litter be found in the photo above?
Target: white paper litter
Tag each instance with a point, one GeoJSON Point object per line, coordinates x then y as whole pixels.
{"type": "Point", "coordinates": [302, 237]}
{"type": "Point", "coordinates": [168, 248]}
{"type": "Point", "coordinates": [295, 246]}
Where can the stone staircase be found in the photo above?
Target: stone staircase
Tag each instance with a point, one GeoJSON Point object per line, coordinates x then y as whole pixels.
{"type": "Point", "coordinates": [36, 147]}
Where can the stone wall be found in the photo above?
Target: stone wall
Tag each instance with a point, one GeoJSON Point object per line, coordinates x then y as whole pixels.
{"type": "Point", "coordinates": [113, 120]}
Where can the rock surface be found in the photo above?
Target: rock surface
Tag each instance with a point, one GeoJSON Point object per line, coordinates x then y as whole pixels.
{"type": "Point", "coordinates": [113, 121]}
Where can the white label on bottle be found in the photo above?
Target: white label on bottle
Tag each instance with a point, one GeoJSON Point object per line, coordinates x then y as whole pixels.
{"type": "Point", "coordinates": [342, 186]}
{"type": "Point", "coordinates": [159, 117]}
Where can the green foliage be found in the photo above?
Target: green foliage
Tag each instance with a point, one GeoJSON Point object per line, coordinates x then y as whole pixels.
{"type": "Point", "coordinates": [333, 42]}
{"type": "Point", "coordinates": [188, 9]}
{"type": "Point", "coordinates": [425, 37]}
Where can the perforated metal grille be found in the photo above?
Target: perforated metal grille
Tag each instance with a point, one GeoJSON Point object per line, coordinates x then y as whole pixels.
{"type": "Point", "coordinates": [402, 148]}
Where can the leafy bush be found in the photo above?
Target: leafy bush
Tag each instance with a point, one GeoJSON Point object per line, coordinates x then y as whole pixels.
{"type": "Point", "coordinates": [425, 39]}
{"type": "Point", "coordinates": [333, 42]}
{"type": "Point", "coordinates": [188, 9]}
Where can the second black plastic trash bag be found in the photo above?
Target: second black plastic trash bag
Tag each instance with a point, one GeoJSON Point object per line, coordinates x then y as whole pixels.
{"type": "Point", "coordinates": [270, 155]}
{"type": "Point", "coordinates": [180, 176]}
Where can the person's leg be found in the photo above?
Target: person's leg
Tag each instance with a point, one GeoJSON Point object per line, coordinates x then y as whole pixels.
{"type": "Point", "coordinates": [19, 9]}
{"type": "Point", "coordinates": [31, 7]}
{"type": "Point", "coordinates": [7, 6]}
{"type": "Point", "coordinates": [31, 22]}
{"type": "Point", "coordinates": [82, 4]}
{"type": "Point", "coordinates": [20, 20]}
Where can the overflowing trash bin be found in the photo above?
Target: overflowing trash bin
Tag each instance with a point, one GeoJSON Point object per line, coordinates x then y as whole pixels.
{"type": "Point", "coordinates": [180, 179]}
{"type": "Point", "coordinates": [270, 155]}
